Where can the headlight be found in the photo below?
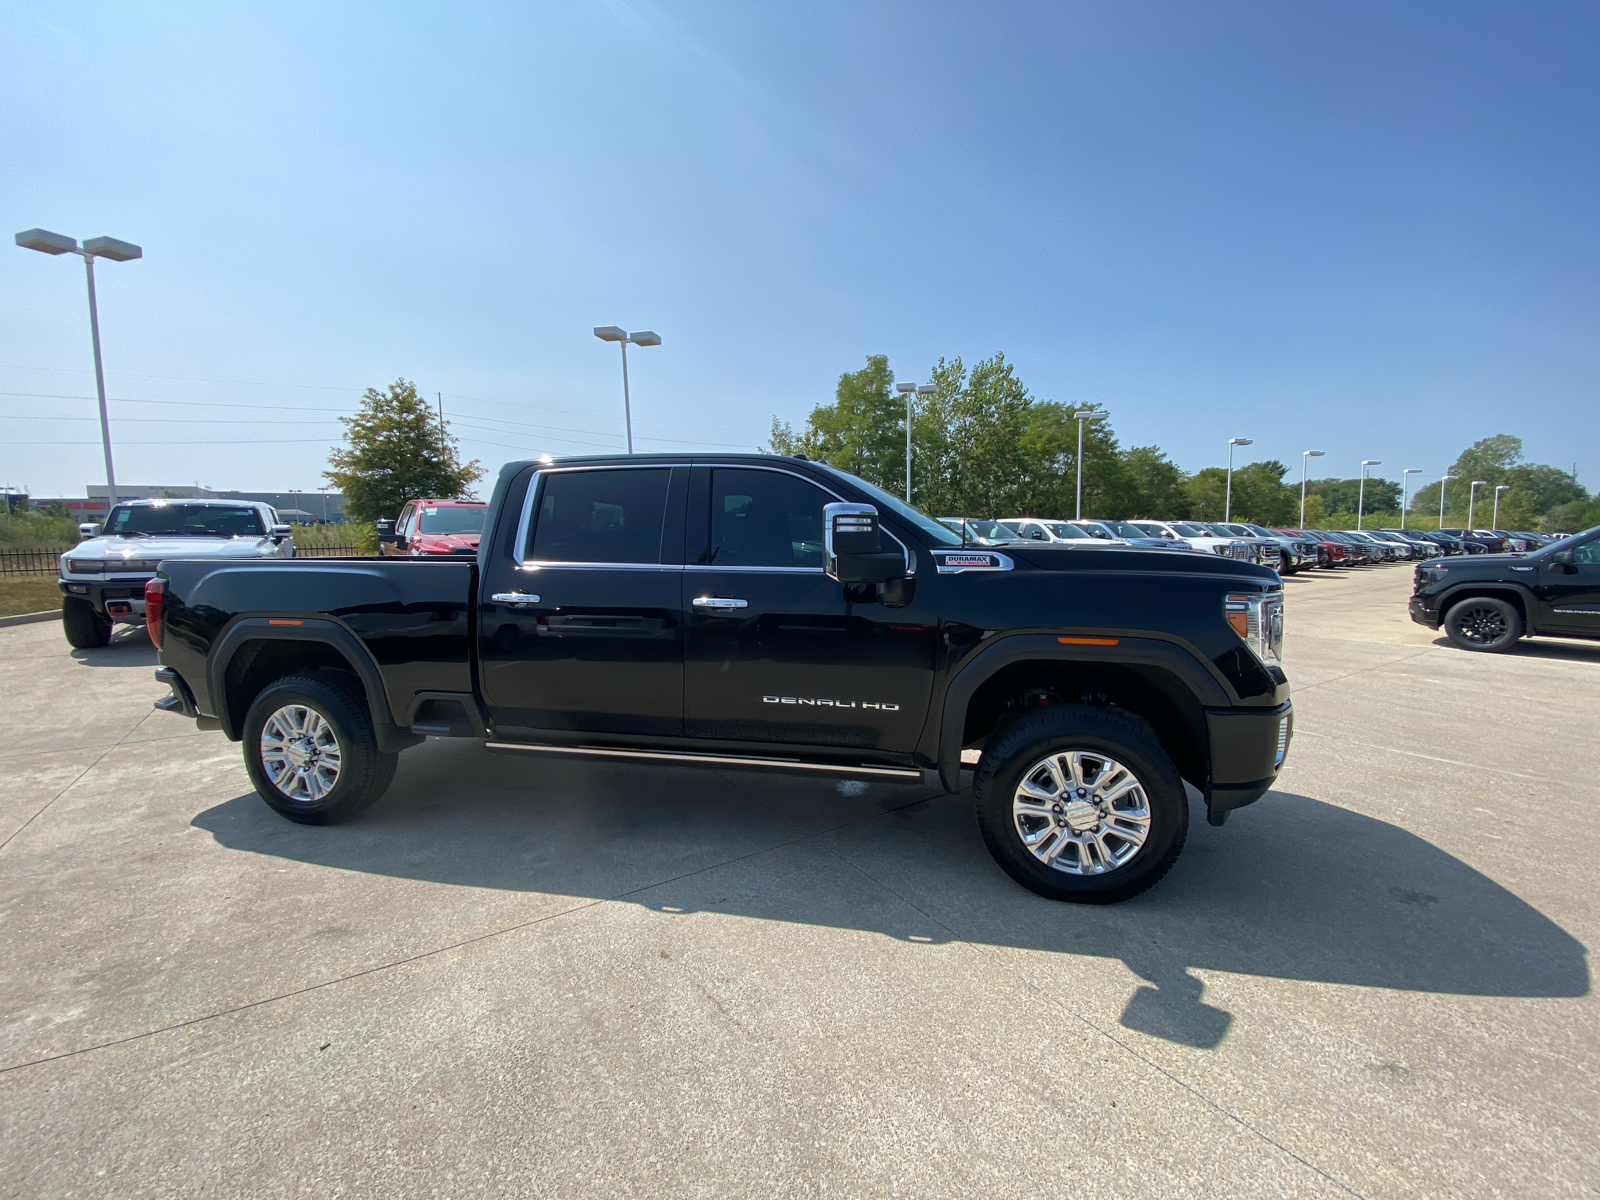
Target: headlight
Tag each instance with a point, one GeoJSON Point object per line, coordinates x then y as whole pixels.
{"type": "Point", "coordinates": [1257, 617]}
{"type": "Point", "coordinates": [96, 566]}
{"type": "Point", "coordinates": [85, 566]}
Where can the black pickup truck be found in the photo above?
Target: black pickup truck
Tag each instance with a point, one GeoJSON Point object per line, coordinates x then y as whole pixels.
{"type": "Point", "coordinates": [1490, 601]}
{"type": "Point", "coordinates": [758, 612]}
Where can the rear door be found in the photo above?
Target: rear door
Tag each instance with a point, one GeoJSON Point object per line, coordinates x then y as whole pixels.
{"type": "Point", "coordinates": [776, 652]}
{"type": "Point", "coordinates": [581, 627]}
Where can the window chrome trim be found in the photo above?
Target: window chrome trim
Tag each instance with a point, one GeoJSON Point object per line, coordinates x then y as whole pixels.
{"type": "Point", "coordinates": [911, 555]}
{"type": "Point", "coordinates": [525, 522]}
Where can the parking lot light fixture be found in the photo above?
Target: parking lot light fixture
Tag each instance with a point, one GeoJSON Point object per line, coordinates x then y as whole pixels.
{"type": "Point", "coordinates": [1305, 457]}
{"type": "Point", "coordinates": [1083, 417]}
{"type": "Point", "coordinates": [46, 242]}
{"type": "Point", "coordinates": [908, 390]}
{"type": "Point", "coordinates": [644, 337]}
{"type": "Point", "coordinates": [1361, 501]}
{"type": "Point", "coordinates": [1405, 484]}
{"type": "Point", "coordinates": [1499, 487]}
{"type": "Point", "coordinates": [1443, 484]}
{"type": "Point", "coordinates": [1472, 495]}
{"type": "Point", "coordinates": [1227, 505]}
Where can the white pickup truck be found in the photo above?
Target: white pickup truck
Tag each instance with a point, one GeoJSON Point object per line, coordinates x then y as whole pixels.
{"type": "Point", "coordinates": [103, 577]}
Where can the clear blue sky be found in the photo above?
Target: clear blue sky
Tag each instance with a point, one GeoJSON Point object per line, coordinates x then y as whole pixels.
{"type": "Point", "coordinates": [1363, 228]}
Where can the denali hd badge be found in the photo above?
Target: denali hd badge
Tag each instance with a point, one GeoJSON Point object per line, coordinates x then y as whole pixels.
{"type": "Point", "coordinates": [820, 703]}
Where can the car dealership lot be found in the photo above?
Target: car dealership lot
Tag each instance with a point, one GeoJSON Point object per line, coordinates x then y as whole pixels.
{"type": "Point", "coordinates": [534, 978]}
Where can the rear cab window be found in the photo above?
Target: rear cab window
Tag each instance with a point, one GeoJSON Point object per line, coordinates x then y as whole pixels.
{"type": "Point", "coordinates": [599, 516]}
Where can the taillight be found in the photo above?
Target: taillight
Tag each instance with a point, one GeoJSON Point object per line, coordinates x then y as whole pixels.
{"type": "Point", "coordinates": [155, 596]}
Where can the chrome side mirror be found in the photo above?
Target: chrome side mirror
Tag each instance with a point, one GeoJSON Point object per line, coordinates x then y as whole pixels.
{"type": "Point", "coordinates": [853, 547]}
{"type": "Point", "coordinates": [88, 529]}
{"type": "Point", "coordinates": [282, 531]}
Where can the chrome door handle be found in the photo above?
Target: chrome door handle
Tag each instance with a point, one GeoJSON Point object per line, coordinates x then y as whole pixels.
{"type": "Point", "coordinates": [719, 602]}
{"type": "Point", "coordinates": [514, 598]}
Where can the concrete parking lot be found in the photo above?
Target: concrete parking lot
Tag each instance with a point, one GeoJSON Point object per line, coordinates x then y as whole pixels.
{"type": "Point", "coordinates": [520, 978]}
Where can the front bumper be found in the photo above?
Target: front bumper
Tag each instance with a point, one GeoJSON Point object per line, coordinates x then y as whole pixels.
{"type": "Point", "coordinates": [1422, 614]}
{"type": "Point", "coordinates": [1248, 749]}
{"type": "Point", "coordinates": [124, 595]}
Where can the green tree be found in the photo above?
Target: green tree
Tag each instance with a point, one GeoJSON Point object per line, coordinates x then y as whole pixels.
{"type": "Point", "coordinates": [1344, 495]}
{"type": "Point", "coordinates": [1259, 494]}
{"type": "Point", "coordinates": [1533, 489]}
{"type": "Point", "coordinates": [395, 451]}
{"type": "Point", "coordinates": [1153, 486]}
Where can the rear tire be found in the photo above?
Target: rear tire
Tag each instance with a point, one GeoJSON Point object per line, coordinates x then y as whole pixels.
{"type": "Point", "coordinates": [1484, 623]}
{"type": "Point", "coordinates": [85, 628]}
{"type": "Point", "coordinates": [311, 752]}
{"type": "Point", "coordinates": [1081, 804]}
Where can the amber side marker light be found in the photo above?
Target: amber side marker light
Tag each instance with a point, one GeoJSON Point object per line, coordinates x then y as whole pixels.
{"type": "Point", "coordinates": [275, 621]}
{"type": "Point", "coordinates": [1072, 641]}
{"type": "Point", "coordinates": [1237, 609]}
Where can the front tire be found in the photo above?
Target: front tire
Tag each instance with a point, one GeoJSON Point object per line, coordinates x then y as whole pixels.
{"type": "Point", "coordinates": [85, 628]}
{"type": "Point", "coordinates": [311, 752]}
{"type": "Point", "coordinates": [1485, 624]}
{"type": "Point", "coordinates": [1081, 804]}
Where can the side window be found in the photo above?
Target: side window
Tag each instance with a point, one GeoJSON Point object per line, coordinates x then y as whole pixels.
{"type": "Point", "coordinates": [765, 519]}
{"type": "Point", "coordinates": [601, 516]}
{"type": "Point", "coordinates": [1588, 553]}
{"type": "Point", "coordinates": [402, 520]}
{"type": "Point", "coordinates": [1036, 532]}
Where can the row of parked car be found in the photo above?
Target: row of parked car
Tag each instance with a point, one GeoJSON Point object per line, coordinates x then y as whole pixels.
{"type": "Point", "coordinates": [1284, 550]}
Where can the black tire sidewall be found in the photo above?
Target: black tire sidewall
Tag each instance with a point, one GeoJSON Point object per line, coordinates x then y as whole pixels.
{"type": "Point", "coordinates": [1513, 619]}
{"type": "Point", "coordinates": [364, 772]}
{"type": "Point", "coordinates": [84, 628]}
{"type": "Point", "coordinates": [1102, 731]}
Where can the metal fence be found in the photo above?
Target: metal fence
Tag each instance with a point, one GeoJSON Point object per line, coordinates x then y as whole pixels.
{"type": "Point", "coordinates": [31, 562]}
{"type": "Point", "coordinates": [47, 562]}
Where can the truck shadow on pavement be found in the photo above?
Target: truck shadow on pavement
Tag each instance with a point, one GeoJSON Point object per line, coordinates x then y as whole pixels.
{"type": "Point", "coordinates": [1557, 648]}
{"type": "Point", "coordinates": [1293, 888]}
{"type": "Point", "coordinates": [129, 647]}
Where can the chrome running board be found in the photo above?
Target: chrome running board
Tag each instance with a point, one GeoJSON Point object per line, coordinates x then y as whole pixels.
{"type": "Point", "coordinates": [684, 758]}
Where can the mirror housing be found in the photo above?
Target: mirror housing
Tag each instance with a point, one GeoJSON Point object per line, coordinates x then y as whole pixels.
{"type": "Point", "coordinates": [89, 529]}
{"type": "Point", "coordinates": [386, 532]}
{"type": "Point", "coordinates": [282, 531]}
{"type": "Point", "coordinates": [853, 549]}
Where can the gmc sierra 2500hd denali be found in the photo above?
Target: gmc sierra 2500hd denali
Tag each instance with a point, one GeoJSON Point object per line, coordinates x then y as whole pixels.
{"type": "Point", "coordinates": [757, 612]}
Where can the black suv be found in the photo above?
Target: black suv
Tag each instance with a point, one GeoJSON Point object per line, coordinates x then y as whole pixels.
{"type": "Point", "coordinates": [1489, 601]}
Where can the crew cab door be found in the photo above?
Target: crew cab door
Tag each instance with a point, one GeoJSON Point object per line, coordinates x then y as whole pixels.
{"type": "Point", "coordinates": [1569, 591]}
{"type": "Point", "coordinates": [775, 651]}
{"type": "Point", "coordinates": [581, 625]}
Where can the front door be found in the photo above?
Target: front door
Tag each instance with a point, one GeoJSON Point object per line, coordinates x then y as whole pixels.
{"type": "Point", "coordinates": [775, 651]}
{"type": "Point", "coordinates": [1570, 591]}
{"type": "Point", "coordinates": [581, 629]}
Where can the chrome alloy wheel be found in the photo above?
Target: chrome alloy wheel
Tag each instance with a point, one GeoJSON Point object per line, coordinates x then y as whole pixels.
{"type": "Point", "coordinates": [1081, 812]}
{"type": "Point", "coordinates": [300, 753]}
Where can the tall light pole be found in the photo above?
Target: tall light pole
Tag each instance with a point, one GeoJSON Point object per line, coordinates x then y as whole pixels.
{"type": "Point", "coordinates": [1361, 501]}
{"type": "Point", "coordinates": [46, 242]}
{"type": "Point", "coordinates": [1083, 417]}
{"type": "Point", "coordinates": [1443, 484]}
{"type": "Point", "coordinates": [612, 333]}
{"type": "Point", "coordinates": [908, 390]}
{"type": "Point", "coordinates": [1405, 489]}
{"type": "Point", "coordinates": [1501, 487]}
{"type": "Point", "coordinates": [1472, 495]}
{"type": "Point", "coordinates": [1227, 508]}
{"type": "Point", "coordinates": [1305, 457]}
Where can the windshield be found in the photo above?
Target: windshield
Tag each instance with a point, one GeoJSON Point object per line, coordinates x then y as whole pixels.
{"type": "Point", "coordinates": [1064, 531]}
{"type": "Point", "coordinates": [1149, 527]}
{"type": "Point", "coordinates": [450, 518]}
{"type": "Point", "coordinates": [1184, 529]}
{"type": "Point", "coordinates": [1126, 529]}
{"type": "Point", "coordinates": [178, 520]}
{"type": "Point", "coordinates": [992, 530]}
{"type": "Point", "coordinates": [936, 532]}
{"type": "Point", "coordinates": [1259, 531]}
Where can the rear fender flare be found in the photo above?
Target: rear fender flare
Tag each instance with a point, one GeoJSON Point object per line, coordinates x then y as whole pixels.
{"type": "Point", "coordinates": [391, 738]}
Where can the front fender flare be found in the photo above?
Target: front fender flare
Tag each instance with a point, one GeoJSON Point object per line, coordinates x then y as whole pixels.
{"type": "Point", "coordinates": [1199, 677]}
